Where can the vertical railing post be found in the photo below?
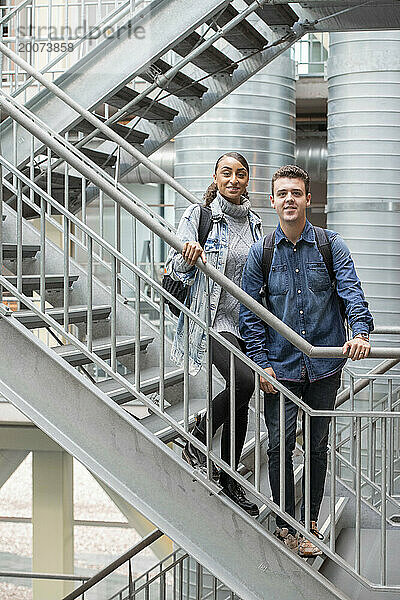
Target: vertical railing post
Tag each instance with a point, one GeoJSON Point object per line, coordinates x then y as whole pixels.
{"type": "Point", "coordinates": [257, 449]}
{"type": "Point", "coordinates": [371, 446]}
{"type": "Point", "coordinates": [114, 314]}
{"type": "Point", "coordinates": [352, 446]}
{"type": "Point", "coordinates": [307, 459]}
{"type": "Point", "coordinates": [357, 559]}
{"type": "Point", "coordinates": [19, 239]}
{"type": "Point", "coordinates": [391, 438]}
{"type": "Point", "coordinates": [162, 353]}
{"type": "Point", "coordinates": [232, 404]}
{"type": "Point", "coordinates": [383, 502]}
{"type": "Point", "coordinates": [137, 332]}
{"type": "Point", "coordinates": [89, 329]}
{"type": "Point", "coordinates": [186, 372]}
{"type": "Point", "coordinates": [332, 538]}
{"type": "Point", "coordinates": [209, 351]}
{"type": "Point", "coordinates": [282, 453]}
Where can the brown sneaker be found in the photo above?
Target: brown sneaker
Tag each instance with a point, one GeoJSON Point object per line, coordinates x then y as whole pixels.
{"type": "Point", "coordinates": [289, 539]}
{"type": "Point", "coordinates": [306, 548]}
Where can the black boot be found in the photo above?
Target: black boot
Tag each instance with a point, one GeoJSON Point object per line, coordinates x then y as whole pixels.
{"type": "Point", "coordinates": [235, 492]}
{"type": "Point", "coordinates": [194, 457]}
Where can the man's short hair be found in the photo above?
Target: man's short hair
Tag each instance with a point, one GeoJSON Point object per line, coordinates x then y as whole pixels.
{"type": "Point", "coordinates": [293, 172]}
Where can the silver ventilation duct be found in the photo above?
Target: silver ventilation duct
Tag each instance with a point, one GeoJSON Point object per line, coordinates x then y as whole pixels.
{"type": "Point", "coordinates": [258, 120]}
{"type": "Point", "coordinates": [364, 161]}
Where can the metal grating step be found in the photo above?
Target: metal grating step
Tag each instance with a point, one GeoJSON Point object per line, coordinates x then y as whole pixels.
{"type": "Point", "coordinates": [276, 16]}
{"type": "Point", "coordinates": [153, 111]}
{"type": "Point", "coordinates": [31, 283]}
{"type": "Point", "coordinates": [244, 36]}
{"type": "Point", "coordinates": [150, 379]}
{"type": "Point", "coordinates": [102, 347]}
{"type": "Point", "coordinates": [28, 251]}
{"type": "Point", "coordinates": [130, 135]}
{"type": "Point", "coordinates": [77, 314]}
{"type": "Point", "coordinates": [210, 60]}
{"type": "Point", "coordinates": [181, 85]}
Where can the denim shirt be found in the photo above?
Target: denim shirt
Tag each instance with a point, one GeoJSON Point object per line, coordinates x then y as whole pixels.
{"type": "Point", "coordinates": [301, 294]}
{"type": "Point", "coordinates": [216, 249]}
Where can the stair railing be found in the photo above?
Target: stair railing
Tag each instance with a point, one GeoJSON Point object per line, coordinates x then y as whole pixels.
{"type": "Point", "coordinates": [187, 577]}
{"type": "Point", "coordinates": [116, 564]}
{"type": "Point", "coordinates": [182, 425]}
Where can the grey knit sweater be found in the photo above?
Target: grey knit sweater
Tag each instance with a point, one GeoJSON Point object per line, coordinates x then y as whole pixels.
{"type": "Point", "coordinates": [240, 241]}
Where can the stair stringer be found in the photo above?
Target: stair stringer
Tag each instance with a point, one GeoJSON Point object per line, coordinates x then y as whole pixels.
{"type": "Point", "coordinates": [121, 452]}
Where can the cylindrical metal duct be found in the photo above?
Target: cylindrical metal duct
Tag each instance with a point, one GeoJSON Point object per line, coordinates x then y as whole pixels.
{"type": "Point", "coordinates": [364, 161]}
{"type": "Point", "coordinates": [257, 120]}
{"type": "Point", "coordinates": [312, 155]}
{"type": "Point", "coordinates": [163, 158]}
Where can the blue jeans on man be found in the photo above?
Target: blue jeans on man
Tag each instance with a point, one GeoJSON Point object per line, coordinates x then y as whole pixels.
{"type": "Point", "coordinates": [319, 395]}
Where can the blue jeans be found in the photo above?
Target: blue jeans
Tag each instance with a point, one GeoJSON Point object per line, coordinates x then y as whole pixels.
{"type": "Point", "coordinates": [320, 395]}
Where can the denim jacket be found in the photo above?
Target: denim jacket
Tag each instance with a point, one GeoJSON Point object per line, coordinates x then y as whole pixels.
{"type": "Point", "coordinates": [301, 294]}
{"type": "Point", "coordinates": [216, 249]}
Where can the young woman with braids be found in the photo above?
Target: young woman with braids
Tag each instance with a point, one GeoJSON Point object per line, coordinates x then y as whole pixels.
{"type": "Point", "coordinates": [234, 230]}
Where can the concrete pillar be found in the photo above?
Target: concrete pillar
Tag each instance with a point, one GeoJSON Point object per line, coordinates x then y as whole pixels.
{"type": "Point", "coordinates": [52, 520]}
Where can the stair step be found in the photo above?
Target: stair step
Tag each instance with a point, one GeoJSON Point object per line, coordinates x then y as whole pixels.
{"type": "Point", "coordinates": [153, 111]}
{"type": "Point", "coordinates": [100, 158]}
{"type": "Point", "coordinates": [181, 85]}
{"type": "Point", "coordinates": [130, 135]}
{"type": "Point", "coordinates": [166, 434]}
{"type": "Point", "coordinates": [57, 192]}
{"type": "Point", "coordinates": [28, 251]}
{"type": "Point", "coordinates": [77, 314]}
{"type": "Point", "coordinates": [31, 283]}
{"type": "Point", "coordinates": [276, 16]}
{"type": "Point", "coordinates": [210, 60]}
{"type": "Point", "coordinates": [150, 379]}
{"type": "Point", "coordinates": [244, 36]}
{"type": "Point", "coordinates": [102, 347]}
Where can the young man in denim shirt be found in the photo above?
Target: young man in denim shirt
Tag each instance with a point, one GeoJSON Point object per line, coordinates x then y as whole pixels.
{"type": "Point", "coordinates": [301, 294]}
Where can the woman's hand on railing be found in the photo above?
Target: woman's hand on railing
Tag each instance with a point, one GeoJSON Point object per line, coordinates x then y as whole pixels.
{"type": "Point", "coordinates": [191, 252]}
{"type": "Point", "coordinates": [265, 385]}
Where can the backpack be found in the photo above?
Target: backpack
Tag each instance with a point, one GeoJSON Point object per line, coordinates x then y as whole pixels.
{"type": "Point", "coordinates": [177, 288]}
{"type": "Point", "coordinates": [325, 249]}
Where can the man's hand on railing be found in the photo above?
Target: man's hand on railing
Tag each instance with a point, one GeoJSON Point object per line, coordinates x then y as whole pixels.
{"type": "Point", "coordinates": [265, 385]}
{"type": "Point", "coordinates": [191, 252]}
{"type": "Point", "coordinates": [357, 348]}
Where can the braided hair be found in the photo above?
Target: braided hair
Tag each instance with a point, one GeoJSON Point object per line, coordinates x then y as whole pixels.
{"type": "Point", "coordinates": [212, 190]}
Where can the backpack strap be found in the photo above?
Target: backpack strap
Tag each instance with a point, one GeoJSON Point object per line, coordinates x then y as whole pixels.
{"type": "Point", "coordinates": [268, 253]}
{"type": "Point", "coordinates": [205, 224]}
{"type": "Point", "coordinates": [324, 246]}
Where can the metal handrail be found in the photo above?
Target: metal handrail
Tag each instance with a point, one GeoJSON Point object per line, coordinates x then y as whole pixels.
{"type": "Point", "coordinates": [175, 242]}
{"type": "Point", "coordinates": [50, 576]}
{"type": "Point", "coordinates": [144, 543]}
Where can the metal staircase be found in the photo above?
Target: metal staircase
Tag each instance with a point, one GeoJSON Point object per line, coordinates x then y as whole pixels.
{"type": "Point", "coordinates": [122, 450]}
{"type": "Point", "coordinates": [93, 330]}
